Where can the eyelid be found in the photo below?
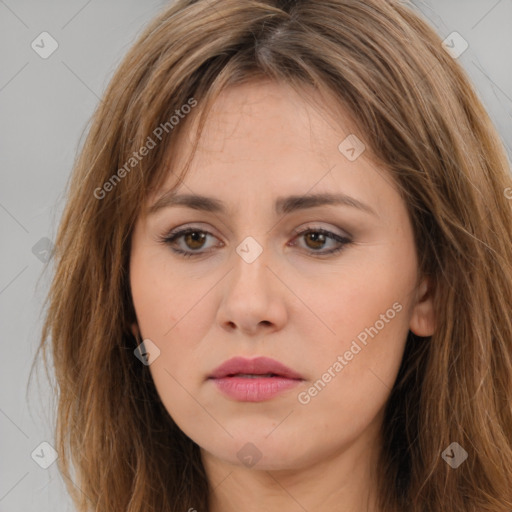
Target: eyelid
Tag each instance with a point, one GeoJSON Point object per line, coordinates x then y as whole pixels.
{"type": "Point", "coordinates": [187, 227]}
{"type": "Point", "coordinates": [177, 233]}
{"type": "Point", "coordinates": [336, 237]}
{"type": "Point", "coordinates": [313, 227]}
{"type": "Point", "coordinates": [296, 231]}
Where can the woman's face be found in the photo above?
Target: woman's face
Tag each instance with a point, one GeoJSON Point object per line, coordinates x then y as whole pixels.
{"type": "Point", "coordinates": [255, 287]}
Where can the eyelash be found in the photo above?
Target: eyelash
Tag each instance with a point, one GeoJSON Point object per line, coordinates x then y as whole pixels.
{"type": "Point", "coordinates": [173, 236]}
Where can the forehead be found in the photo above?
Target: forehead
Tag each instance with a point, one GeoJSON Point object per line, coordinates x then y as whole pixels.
{"type": "Point", "coordinates": [276, 114]}
{"type": "Point", "coordinates": [265, 140]}
{"type": "Point", "coordinates": [261, 121]}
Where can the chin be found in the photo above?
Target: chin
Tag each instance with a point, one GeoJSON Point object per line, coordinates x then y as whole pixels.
{"type": "Point", "coordinates": [259, 452]}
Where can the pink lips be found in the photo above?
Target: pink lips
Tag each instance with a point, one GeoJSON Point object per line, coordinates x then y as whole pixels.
{"type": "Point", "coordinates": [254, 380]}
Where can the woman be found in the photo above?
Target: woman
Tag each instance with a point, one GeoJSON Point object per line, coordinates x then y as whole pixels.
{"type": "Point", "coordinates": [284, 271]}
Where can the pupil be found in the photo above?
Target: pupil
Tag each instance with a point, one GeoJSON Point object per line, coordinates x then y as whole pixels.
{"type": "Point", "coordinates": [319, 238]}
{"type": "Point", "coordinates": [196, 237]}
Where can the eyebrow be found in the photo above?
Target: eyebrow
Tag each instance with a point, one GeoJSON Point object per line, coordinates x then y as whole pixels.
{"type": "Point", "coordinates": [282, 205]}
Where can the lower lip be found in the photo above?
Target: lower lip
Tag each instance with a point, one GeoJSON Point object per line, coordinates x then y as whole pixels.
{"type": "Point", "coordinates": [247, 389]}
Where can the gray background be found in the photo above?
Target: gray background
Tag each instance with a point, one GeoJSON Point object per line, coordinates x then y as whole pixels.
{"type": "Point", "coordinates": [45, 106]}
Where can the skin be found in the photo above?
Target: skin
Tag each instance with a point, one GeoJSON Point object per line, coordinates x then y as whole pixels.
{"type": "Point", "coordinates": [262, 141]}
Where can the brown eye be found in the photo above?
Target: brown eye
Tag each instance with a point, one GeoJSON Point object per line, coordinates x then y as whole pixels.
{"type": "Point", "coordinates": [194, 239]}
{"type": "Point", "coordinates": [191, 242]}
{"type": "Point", "coordinates": [188, 242]}
{"type": "Point", "coordinates": [317, 240]}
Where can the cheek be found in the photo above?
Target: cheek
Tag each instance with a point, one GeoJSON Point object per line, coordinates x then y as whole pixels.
{"type": "Point", "coordinates": [175, 314]}
{"type": "Point", "coordinates": [172, 315]}
{"type": "Point", "coordinates": [355, 368]}
{"type": "Point", "coordinates": [355, 298]}
{"type": "Point", "coordinates": [164, 301]}
{"type": "Point", "coordinates": [367, 312]}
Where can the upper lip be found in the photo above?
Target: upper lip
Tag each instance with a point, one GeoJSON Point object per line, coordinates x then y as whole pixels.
{"type": "Point", "coordinates": [256, 366]}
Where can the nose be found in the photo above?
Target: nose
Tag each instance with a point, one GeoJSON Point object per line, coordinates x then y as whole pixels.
{"type": "Point", "coordinates": [254, 298]}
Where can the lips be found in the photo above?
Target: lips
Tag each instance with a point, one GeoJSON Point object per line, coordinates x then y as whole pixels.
{"type": "Point", "coordinates": [254, 380]}
{"type": "Point", "coordinates": [254, 368]}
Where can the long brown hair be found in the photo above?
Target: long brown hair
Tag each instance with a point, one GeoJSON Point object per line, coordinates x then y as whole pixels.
{"type": "Point", "coordinates": [419, 116]}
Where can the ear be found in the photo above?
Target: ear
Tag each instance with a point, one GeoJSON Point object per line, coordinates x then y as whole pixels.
{"type": "Point", "coordinates": [422, 321]}
{"type": "Point", "coordinates": [135, 330]}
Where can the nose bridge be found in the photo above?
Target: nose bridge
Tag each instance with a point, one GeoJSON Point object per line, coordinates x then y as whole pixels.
{"type": "Point", "coordinates": [250, 263]}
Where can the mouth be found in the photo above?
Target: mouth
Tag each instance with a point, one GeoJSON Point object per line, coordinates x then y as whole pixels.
{"type": "Point", "coordinates": [253, 375]}
{"type": "Point", "coordinates": [254, 368]}
{"type": "Point", "coordinates": [254, 380]}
